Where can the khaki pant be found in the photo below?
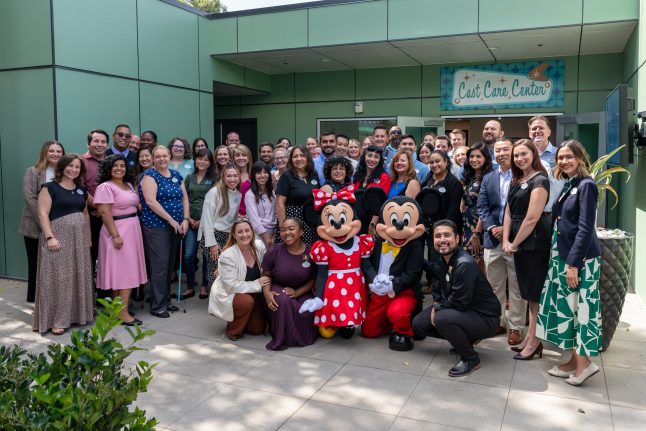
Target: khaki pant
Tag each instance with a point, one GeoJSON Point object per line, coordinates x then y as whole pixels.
{"type": "Point", "coordinates": [500, 273]}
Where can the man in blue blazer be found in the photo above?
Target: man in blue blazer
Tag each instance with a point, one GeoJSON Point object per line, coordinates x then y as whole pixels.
{"type": "Point", "coordinates": [500, 268]}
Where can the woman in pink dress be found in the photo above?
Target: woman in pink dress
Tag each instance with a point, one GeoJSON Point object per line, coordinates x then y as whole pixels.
{"type": "Point", "coordinates": [122, 265]}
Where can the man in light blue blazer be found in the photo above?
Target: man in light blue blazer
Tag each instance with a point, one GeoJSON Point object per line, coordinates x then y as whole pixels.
{"type": "Point", "coordinates": [500, 268]}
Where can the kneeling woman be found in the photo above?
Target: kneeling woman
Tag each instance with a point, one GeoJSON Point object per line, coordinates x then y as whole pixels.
{"type": "Point", "coordinates": [235, 295]}
{"type": "Point", "coordinates": [292, 274]}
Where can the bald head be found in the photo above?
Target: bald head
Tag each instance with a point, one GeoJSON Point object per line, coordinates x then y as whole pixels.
{"type": "Point", "coordinates": [491, 132]}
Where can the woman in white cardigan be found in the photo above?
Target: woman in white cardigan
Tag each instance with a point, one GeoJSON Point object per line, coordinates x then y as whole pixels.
{"type": "Point", "coordinates": [236, 293]}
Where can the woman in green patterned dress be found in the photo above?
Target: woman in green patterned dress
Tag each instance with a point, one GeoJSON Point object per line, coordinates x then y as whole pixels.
{"type": "Point", "coordinates": [569, 314]}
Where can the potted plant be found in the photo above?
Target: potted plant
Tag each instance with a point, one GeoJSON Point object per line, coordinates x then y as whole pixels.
{"type": "Point", "coordinates": [617, 249]}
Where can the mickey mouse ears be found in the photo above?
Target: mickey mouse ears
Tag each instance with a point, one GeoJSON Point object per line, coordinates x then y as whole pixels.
{"type": "Point", "coordinates": [371, 201]}
{"type": "Point", "coordinates": [432, 204]}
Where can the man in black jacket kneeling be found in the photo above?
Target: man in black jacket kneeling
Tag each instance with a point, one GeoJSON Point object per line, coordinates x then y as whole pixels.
{"type": "Point", "coordinates": [465, 309]}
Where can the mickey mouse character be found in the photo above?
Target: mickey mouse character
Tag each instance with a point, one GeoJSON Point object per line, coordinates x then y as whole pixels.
{"type": "Point", "coordinates": [340, 301]}
{"type": "Point", "coordinates": [398, 257]}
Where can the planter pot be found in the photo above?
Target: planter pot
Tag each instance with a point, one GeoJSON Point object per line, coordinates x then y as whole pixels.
{"type": "Point", "coordinates": [616, 263]}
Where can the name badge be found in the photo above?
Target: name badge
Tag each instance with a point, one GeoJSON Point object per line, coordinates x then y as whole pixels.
{"type": "Point", "coordinates": [524, 186]}
{"type": "Point", "coordinates": [79, 191]}
{"type": "Point", "coordinates": [476, 184]}
{"type": "Point", "coordinates": [442, 190]}
{"type": "Point", "coordinates": [305, 264]}
{"type": "Point", "coordinates": [574, 191]}
{"type": "Point", "coordinates": [187, 166]}
{"type": "Point", "coordinates": [174, 179]}
{"type": "Point", "coordinates": [314, 182]}
{"type": "Point", "coordinates": [448, 278]}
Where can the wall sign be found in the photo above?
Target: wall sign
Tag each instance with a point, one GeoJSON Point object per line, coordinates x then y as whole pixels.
{"type": "Point", "coordinates": [532, 84]}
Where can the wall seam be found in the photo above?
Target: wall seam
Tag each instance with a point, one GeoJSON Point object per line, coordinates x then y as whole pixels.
{"type": "Point", "coordinates": [23, 68]}
{"type": "Point", "coordinates": [51, 20]}
{"type": "Point", "coordinates": [199, 81]}
{"type": "Point", "coordinates": [138, 69]}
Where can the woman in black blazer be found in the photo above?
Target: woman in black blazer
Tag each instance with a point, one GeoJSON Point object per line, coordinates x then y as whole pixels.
{"type": "Point", "coordinates": [569, 314]}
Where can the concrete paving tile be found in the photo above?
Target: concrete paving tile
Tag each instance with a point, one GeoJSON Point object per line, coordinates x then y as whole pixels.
{"type": "Point", "coordinates": [171, 395]}
{"type": "Point", "coordinates": [531, 376]}
{"type": "Point", "coordinates": [30, 346]}
{"type": "Point", "coordinates": [626, 387]}
{"type": "Point", "coordinates": [217, 361]}
{"type": "Point", "coordinates": [336, 349]}
{"type": "Point", "coordinates": [298, 377]}
{"type": "Point", "coordinates": [317, 416]}
{"type": "Point", "coordinates": [634, 331]}
{"type": "Point", "coordinates": [368, 388]}
{"type": "Point", "coordinates": [239, 409]}
{"type": "Point", "coordinates": [625, 354]}
{"type": "Point", "coordinates": [496, 365]}
{"type": "Point", "coordinates": [625, 419]}
{"type": "Point", "coordinates": [456, 403]}
{"type": "Point", "coordinates": [378, 355]}
{"type": "Point", "coordinates": [405, 424]}
{"type": "Point", "coordinates": [540, 412]}
{"type": "Point", "coordinates": [198, 324]}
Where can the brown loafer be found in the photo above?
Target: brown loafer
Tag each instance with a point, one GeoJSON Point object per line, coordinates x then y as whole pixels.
{"type": "Point", "coordinates": [501, 330]}
{"type": "Point", "coordinates": [514, 337]}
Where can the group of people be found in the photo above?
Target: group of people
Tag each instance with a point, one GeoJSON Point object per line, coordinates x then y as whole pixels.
{"type": "Point", "coordinates": [512, 226]}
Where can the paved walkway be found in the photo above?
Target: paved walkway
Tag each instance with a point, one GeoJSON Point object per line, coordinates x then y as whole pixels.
{"type": "Point", "coordinates": [206, 382]}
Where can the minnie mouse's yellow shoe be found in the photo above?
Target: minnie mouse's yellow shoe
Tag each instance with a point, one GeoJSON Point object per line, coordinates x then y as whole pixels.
{"type": "Point", "coordinates": [327, 332]}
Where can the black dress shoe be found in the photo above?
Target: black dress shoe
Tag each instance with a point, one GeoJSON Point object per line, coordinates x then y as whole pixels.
{"type": "Point", "coordinates": [400, 342]}
{"type": "Point", "coordinates": [464, 368]}
{"type": "Point", "coordinates": [172, 308]}
{"type": "Point", "coordinates": [173, 295]}
{"type": "Point", "coordinates": [162, 314]}
{"type": "Point", "coordinates": [188, 295]}
{"type": "Point", "coordinates": [203, 295]}
{"type": "Point", "coordinates": [133, 323]}
{"type": "Point", "coordinates": [418, 337]}
{"type": "Point", "coordinates": [346, 332]}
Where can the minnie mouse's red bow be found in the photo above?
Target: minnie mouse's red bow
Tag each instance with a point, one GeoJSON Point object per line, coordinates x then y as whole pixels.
{"type": "Point", "coordinates": [321, 197]}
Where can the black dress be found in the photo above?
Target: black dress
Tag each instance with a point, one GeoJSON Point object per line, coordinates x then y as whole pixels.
{"type": "Point", "coordinates": [533, 255]}
{"type": "Point", "coordinates": [297, 191]}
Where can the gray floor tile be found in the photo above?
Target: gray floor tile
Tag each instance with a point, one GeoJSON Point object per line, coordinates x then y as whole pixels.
{"type": "Point", "coordinates": [456, 403]}
{"type": "Point", "coordinates": [378, 355]}
{"type": "Point", "coordinates": [299, 377]}
{"type": "Point", "coordinates": [531, 376]}
{"type": "Point", "coordinates": [405, 424]}
{"type": "Point", "coordinates": [496, 364]}
{"type": "Point", "coordinates": [239, 409]}
{"type": "Point", "coordinates": [528, 411]}
{"type": "Point", "coordinates": [634, 331]}
{"type": "Point", "coordinates": [217, 361]}
{"type": "Point", "coordinates": [172, 395]}
{"type": "Point", "coordinates": [626, 419]}
{"type": "Point", "coordinates": [336, 349]}
{"type": "Point", "coordinates": [626, 387]}
{"type": "Point", "coordinates": [368, 388]}
{"type": "Point", "coordinates": [625, 354]}
{"type": "Point", "coordinates": [317, 416]}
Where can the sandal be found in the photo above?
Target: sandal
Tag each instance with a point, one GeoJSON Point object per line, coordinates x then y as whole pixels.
{"type": "Point", "coordinates": [58, 331]}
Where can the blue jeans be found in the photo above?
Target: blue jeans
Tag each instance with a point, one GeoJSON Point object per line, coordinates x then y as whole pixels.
{"type": "Point", "coordinates": [190, 252]}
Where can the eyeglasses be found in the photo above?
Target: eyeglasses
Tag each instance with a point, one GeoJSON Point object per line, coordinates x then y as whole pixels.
{"type": "Point", "coordinates": [396, 132]}
{"type": "Point", "coordinates": [122, 135]}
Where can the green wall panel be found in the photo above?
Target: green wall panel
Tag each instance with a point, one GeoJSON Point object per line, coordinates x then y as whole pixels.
{"type": "Point", "coordinates": [431, 107]}
{"type": "Point", "coordinates": [630, 56]}
{"type": "Point", "coordinates": [274, 121]}
{"type": "Point", "coordinates": [392, 108]}
{"type": "Point", "coordinates": [280, 30]}
{"type": "Point", "coordinates": [408, 19]}
{"type": "Point", "coordinates": [257, 80]}
{"type": "Point", "coordinates": [170, 111]}
{"type": "Point", "coordinates": [225, 112]}
{"type": "Point", "coordinates": [315, 86]}
{"type": "Point", "coordinates": [389, 82]}
{"type": "Point", "coordinates": [501, 15]}
{"type": "Point", "coordinates": [349, 23]}
{"type": "Point", "coordinates": [598, 72]}
{"type": "Point", "coordinates": [604, 10]}
{"type": "Point", "coordinates": [431, 81]}
{"type": "Point", "coordinates": [220, 35]}
{"type": "Point", "coordinates": [97, 35]}
{"type": "Point", "coordinates": [26, 121]}
{"type": "Point", "coordinates": [86, 101]}
{"type": "Point", "coordinates": [281, 91]}
{"type": "Point", "coordinates": [168, 41]}
{"type": "Point", "coordinates": [224, 71]}
{"type": "Point", "coordinates": [25, 34]}
{"type": "Point", "coordinates": [206, 118]}
{"type": "Point", "coordinates": [308, 113]}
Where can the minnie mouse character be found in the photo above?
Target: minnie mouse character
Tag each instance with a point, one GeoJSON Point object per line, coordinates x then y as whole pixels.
{"type": "Point", "coordinates": [340, 301]}
{"type": "Point", "coordinates": [398, 259]}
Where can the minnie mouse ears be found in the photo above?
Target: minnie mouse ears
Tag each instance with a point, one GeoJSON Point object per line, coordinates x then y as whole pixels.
{"type": "Point", "coordinates": [432, 204]}
{"type": "Point", "coordinates": [311, 216]}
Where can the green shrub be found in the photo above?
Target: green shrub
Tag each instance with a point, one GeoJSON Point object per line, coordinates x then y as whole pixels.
{"type": "Point", "coordinates": [83, 386]}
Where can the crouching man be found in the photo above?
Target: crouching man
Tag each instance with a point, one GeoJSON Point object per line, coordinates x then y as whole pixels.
{"type": "Point", "coordinates": [465, 309]}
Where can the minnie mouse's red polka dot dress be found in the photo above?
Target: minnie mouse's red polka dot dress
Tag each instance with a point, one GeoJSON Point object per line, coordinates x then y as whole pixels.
{"type": "Point", "coordinates": [344, 299]}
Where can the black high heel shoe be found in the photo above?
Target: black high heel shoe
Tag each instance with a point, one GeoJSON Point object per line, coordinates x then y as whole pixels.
{"type": "Point", "coordinates": [516, 349]}
{"type": "Point", "coordinates": [537, 351]}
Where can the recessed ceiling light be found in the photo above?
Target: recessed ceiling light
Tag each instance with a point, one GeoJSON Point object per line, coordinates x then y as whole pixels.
{"type": "Point", "coordinates": [325, 60]}
{"type": "Point", "coordinates": [493, 48]}
{"type": "Point", "coordinates": [284, 63]}
{"type": "Point", "coordinates": [540, 45]}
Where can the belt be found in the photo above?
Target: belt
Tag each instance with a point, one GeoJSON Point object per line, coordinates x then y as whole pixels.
{"type": "Point", "coordinates": [121, 217]}
{"type": "Point", "coordinates": [343, 271]}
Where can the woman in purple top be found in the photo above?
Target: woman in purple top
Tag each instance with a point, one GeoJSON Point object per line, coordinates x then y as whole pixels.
{"type": "Point", "coordinates": [292, 275]}
{"type": "Point", "coordinates": [260, 202]}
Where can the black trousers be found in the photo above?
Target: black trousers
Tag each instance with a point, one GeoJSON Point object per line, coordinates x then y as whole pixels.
{"type": "Point", "coordinates": [31, 246]}
{"type": "Point", "coordinates": [161, 245]}
{"type": "Point", "coordinates": [460, 328]}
